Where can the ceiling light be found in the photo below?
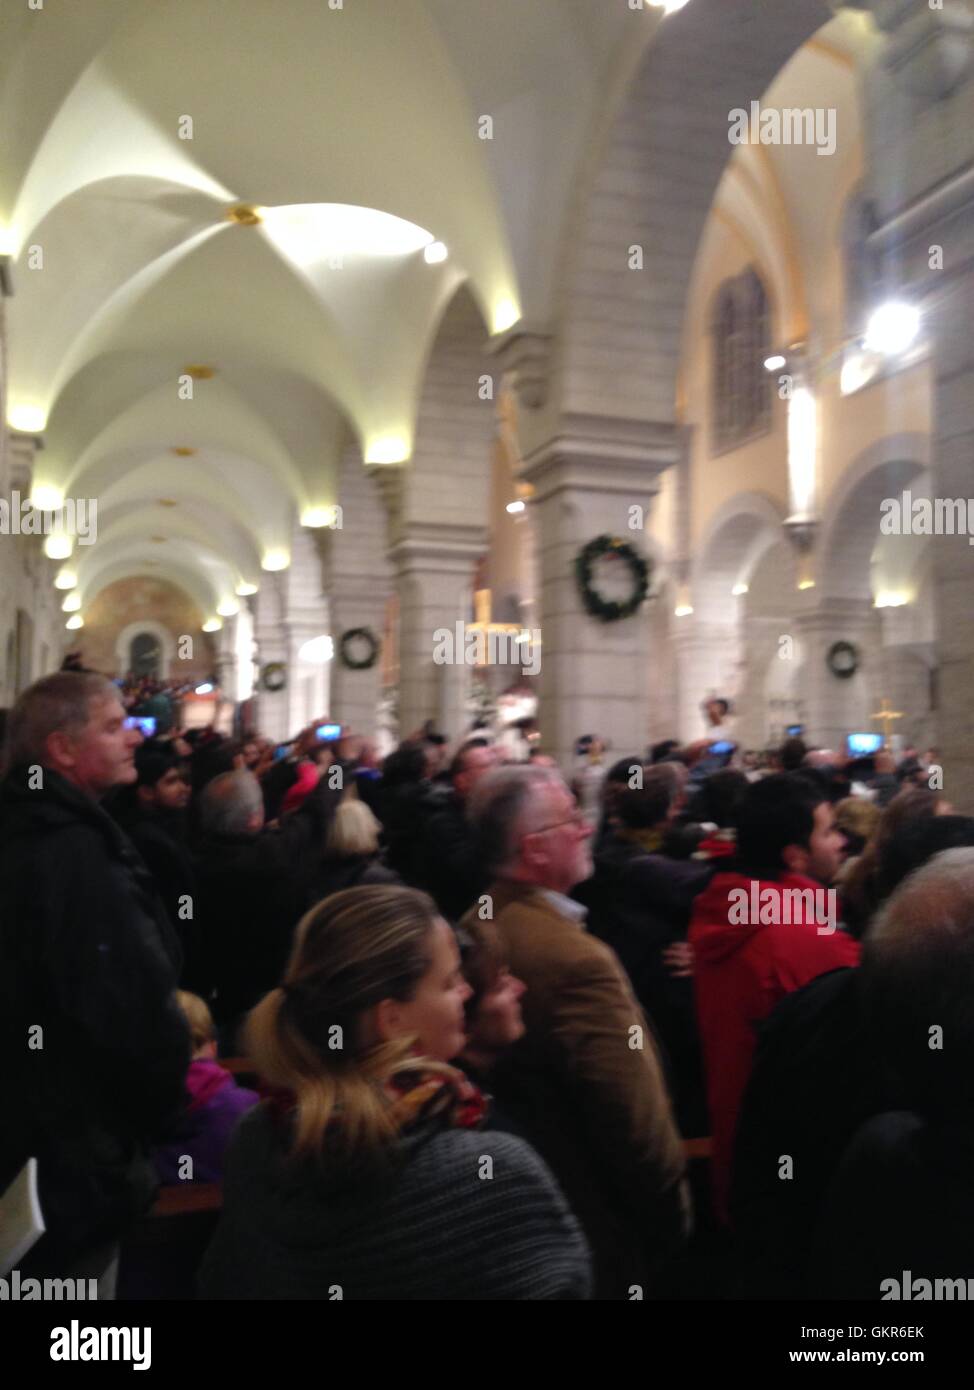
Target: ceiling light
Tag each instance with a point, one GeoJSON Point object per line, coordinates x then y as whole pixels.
{"type": "Point", "coordinates": [71, 603]}
{"type": "Point", "coordinates": [275, 560]}
{"type": "Point", "coordinates": [204, 689]}
{"type": "Point", "coordinates": [244, 589]}
{"type": "Point", "coordinates": [892, 328]}
{"type": "Point", "coordinates": [514, 507]}
{"type": "Point", "coordinates": [807, 584]}
{"type": "Point", "coordinates": [435, 253]}
{"type": "Point", "coordinates": [58, 546]}
{"type": "Point", "coordinates": [46, 498]}
{"type": "Point", "coordinates": [29, 419]}
{"type": "Point", "coordinates": [74, 622]}
{"type": "Point", "coordinates": [228, 608]}
{"type": "Point", "coordinates": [506, 315]}
{"type": "Point", "coordinates": [67, 579]}
{"type": "Point", "coordinates": [775, 362]}
{"type": "Point", "coordinates": [212, 625]}
{"type": "Point", "coordinates": [683, 611]}
{"type": "Point", "coordinates": [316, 517]}
{"type": "Point", "coordinates": [739, 589]}
{"type": "Point", "coordinates": [390, 448]}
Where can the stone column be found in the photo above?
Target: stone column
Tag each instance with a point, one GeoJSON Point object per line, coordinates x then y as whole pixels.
{"type": "Point", "coordinates": [707, 662]}
{"type": "Point", "coordinates": [358, 580]}
{"type": "Point", "coordinates": [834, 706]}
{"type": "Point", "coordinates": [434, 568]}
{"type": "Point", "coordinates": [588, 479]}
{"type": "Point", "coordinates": [921, 114]}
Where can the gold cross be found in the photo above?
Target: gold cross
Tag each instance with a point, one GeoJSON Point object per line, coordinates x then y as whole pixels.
{"type": "Point", "coordinates": [886, 716]}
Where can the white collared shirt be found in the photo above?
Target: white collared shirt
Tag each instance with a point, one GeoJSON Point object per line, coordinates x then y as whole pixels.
{"type": "Point", "coordinates": [568, 907]}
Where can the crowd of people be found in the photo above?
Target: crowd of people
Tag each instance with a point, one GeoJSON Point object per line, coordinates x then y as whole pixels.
{"type": "Point", "coordinates": [674, 1027]}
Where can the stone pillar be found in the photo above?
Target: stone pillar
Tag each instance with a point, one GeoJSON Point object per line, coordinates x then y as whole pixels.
{"type": "Point", "coordinates": [707, 662]}
{"type": "Point", "coordinates": [271, 637]}
{"type": "Point", "coordinates": [920, 103]}
{"type": "Point", "coordinates": [435, 570]}
{"type": "Point", "coordinates": [358, 580]}
{"type": "Point", "coordinates": [587, 479]}
{"type": "Point", "coordinates": [833, 706]}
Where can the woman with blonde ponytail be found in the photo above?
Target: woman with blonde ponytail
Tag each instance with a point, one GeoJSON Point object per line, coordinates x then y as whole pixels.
{"type": "Point", "coordinates": [366, 1175]}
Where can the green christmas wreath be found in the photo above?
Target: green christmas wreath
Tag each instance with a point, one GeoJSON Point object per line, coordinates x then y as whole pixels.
{"type": "Point", "coordinates": [611, 610]}
{"type": "Point", "coordinates": [359, 637]}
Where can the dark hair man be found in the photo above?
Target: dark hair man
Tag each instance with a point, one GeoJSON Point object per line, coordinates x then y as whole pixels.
{"type": "Point", "coordinates": [761, 930]}
{"type": "Point", "coordinates": [94, 1045]}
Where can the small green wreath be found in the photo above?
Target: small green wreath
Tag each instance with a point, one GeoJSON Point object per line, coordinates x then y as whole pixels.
{"type": "Point", "coordinates": [274, 676]}
{"type": "Point", "coordinates": [611, 610]}
{"type": "Point", "coordinates": [349, 639]}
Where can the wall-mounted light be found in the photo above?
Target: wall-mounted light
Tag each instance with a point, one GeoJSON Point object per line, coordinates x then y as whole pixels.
{"type": "Point", "coordinates": [228, 608]}
{"type": "Point", "coordinates": [739, 589]}
{"type": "Point", "coordinates": [775, 363]}
{"type": "Point", "coordinates": [29, 419]}
{"type": "Point", "coordinates": [515, 507]}
{"type": "Point", "coordinates": [317, 517]}
{"type": "Point", "coordinates": [806, 584]}
{"type": "Point", "coordinates": [435, 253]}
{"type": "Point", "coordinates": [71, 604]}
{"type": "Point", "coordinates": [75, 622]}
{"type": "Point", "coordinates": [67, 579]}
{"type": "Point", "coordinates": [683, 610]}
{"type": "Point", "coordinates": [390, 448]}
{"type": "Point", "coordinates": [212, 625]}
{"type": "Point", "coordinates": [892, 328]}
{"type": "Point", "coordinates": [58, 546]}
{"type": "Point", "coordinates": [505, 315]}
{"type": "Point", "coordinates": [275, 560]}
{"type": "Point", "coordinates": [244, 589]}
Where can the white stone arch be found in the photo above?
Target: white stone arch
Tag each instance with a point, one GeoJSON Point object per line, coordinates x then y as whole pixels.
{"type": "Point", "coordinates": [123, 644]}
{"type": "Point", "coordinates": [733, 56]}
{"type": "Point", "coordinates": [733, 544]}
{"type": "Point", "coordinates": [852, 513]}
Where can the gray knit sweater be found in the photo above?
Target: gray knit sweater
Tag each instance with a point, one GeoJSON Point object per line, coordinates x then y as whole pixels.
{"type": "Point", "coordinates": [436, 1227]}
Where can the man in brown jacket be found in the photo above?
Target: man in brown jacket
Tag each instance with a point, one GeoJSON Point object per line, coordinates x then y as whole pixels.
{"type": "Point", "coordinates": [585, 1084]}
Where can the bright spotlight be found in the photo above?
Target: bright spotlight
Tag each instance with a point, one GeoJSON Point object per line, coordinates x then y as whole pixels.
{"type": "Point", "coordinates": [67, 579]}
{"type": "Point", "coordinates": [892, 328]}
{"type": "Point", "coordinates": [775, 363]}
{"type": "Point", "coordinates": [435, 253]}
{"type": "Point", "coordinates": [515, 507]}
{"type": "Point", "coordinates": [204, 689]}
{"type": "Point", "coordinates": [75, 622]}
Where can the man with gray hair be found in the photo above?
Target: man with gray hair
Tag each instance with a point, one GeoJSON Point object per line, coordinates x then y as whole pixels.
{"type": "Point", "coordinates": [585, 1084]}
{"type": "Point", "coordinates": [253, 887]}
{"type": "Point", "coordinates": [902, 1198]}
{"type": "Point", "coordinates": [94, 1045]}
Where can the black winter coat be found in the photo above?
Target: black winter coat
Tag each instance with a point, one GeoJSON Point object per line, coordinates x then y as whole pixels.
{"type": "Point", "coordinates": [86, 954]}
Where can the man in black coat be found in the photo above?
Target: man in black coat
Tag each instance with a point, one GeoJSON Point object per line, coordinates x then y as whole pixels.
{"type": "Point", "coordinates": [94, 1046]}
{"type": "Point", "coordinates": [253, 887]}
{"type": "Point", "coordinates": [452, 870]}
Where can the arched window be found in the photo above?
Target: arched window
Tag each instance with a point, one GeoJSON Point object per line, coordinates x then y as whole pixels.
{"type": "Point", "coordinates": [741, 385]}
{"type": "Point", "coordinates": [144, 655]}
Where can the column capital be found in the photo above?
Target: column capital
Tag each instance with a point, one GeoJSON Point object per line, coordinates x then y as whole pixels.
{"type": "Point", "coordinates": [524, 353]}
{"type": "Point", "coordinates": [604, 454]}
{"type": "Point", "coordinates": [443, 549]}
{"type": "Point", "coordinates": [23, 450]}
{"type": "Point", "coordinates": [929, 49]}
